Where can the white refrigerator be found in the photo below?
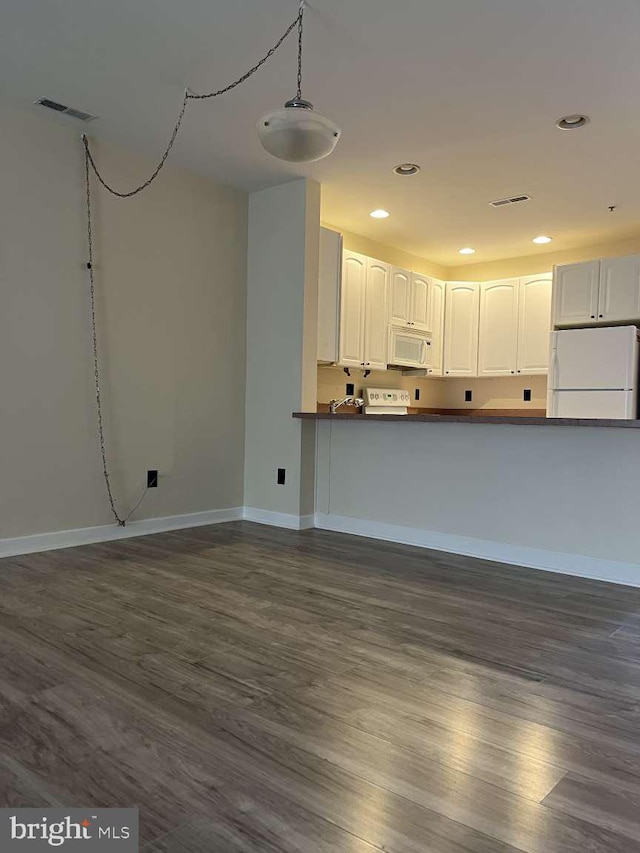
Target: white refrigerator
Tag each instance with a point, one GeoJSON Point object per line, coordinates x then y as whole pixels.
{"type": "Point", "coordinates": [593, 373]}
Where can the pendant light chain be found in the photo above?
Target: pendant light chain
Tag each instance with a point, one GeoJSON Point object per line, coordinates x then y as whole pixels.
{"type": "Point", "coordinates": [94, 340]}
{"type": "Point", "coordinates": [192, 96]}
{"type": "Point", "coordinates": [300, 25]}
{"type": "Point", "coordinates": [90, 164]}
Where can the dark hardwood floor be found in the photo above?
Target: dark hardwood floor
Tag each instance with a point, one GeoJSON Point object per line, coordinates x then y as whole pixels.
{"type": "Point", "coordinates": [253, 690]}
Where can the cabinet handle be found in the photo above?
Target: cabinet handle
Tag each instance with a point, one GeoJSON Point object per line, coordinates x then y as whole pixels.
{"type": "Point", "coordinates": [593, 316]}
{"type": "Point", "coordinates": [519, 371]}
{"type": "Point", "coordinates": [513, 371]}
{"type": "Point", "coordinates": [601, 316]}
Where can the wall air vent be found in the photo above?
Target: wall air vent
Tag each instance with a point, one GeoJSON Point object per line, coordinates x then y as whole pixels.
{"type": "Point", "coordinates": [501, 202]}
{"type": "Point", "coordinates": [61, 108]}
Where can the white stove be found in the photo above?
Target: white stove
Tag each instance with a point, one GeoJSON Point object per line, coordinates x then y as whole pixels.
{"type": "Point", "coordinates": [386, 401]}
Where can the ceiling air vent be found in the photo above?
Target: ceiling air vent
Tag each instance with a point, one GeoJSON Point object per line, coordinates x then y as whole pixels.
{"type": "Point", "coordinates": [68, 111]}
{"type": "Point", "coordinates": [501, 202]}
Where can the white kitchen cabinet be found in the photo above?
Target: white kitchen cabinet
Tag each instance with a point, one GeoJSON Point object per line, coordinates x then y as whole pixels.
{"type": "Point", "coordinates": [375, 315]}
{"type": "Point", "coordinates": [329, 275]}
{"type": "Point", "coordinates": [352, 300]}
{"type": "Point", "coordinates": [619, 294]}
{"type": "Point", "coordinates": [534, 324]}
{"type": "Point", "coordinates": [363, 312]}
{"type": "Point", "coordinates": [498, 328]}
{"type": "Point", "coordinates": [514, 326]}
{"type": "Point", "coordinates": [461, 329]}
{"type": "Point", "coordinates": [400, 297]}
{"type": "Point", "coordinates": [575, 293]}
{"type": "Point", "coordinates": [437, 295]}
{"type": "Point", "coordinates": [420, 293]}
{"type": "Point", "coordinates": [605, 291]}
{"type": "Point", "coordinates": [409, 299]}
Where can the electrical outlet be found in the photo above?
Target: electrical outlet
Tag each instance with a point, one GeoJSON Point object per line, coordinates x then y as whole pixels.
{"type": "Point", "coordinates": [351, 389]}
{"type": "Point", "coordinates": [152, 479]}
{"type": "Point", "coordinates": [468, 396]}
{"type": "Point", "coordinates": [417, 394]}
{"type": "Point", "coordinates": [281, 476]}
{"type": "Point", "coordinates": [526, 395]}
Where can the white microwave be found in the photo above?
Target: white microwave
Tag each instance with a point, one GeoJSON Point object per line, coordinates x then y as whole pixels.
{"type": "Point", "coordinates": [409, 347]}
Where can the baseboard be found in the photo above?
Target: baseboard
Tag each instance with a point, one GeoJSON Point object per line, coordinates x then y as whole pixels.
{"type": "Point", "coordinates": [109, 532]}
{"type": "Point", "coordinates": [279, 519]}
{"type": "Point", "coordinates": [484, 549]}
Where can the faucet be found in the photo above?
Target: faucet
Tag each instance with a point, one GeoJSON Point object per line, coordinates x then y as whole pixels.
{"type": "Point", "coordinates": [334, 405]}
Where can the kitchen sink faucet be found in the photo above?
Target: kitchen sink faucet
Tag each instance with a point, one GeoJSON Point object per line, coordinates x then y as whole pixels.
{"type": "Point", "coordinates": [334, 405]}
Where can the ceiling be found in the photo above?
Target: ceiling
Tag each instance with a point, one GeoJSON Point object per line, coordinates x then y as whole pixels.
{"type": "Point", "coordinates": [469, 89]}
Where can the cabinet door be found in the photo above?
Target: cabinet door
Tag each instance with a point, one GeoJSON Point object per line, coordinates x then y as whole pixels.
{"type": "Point", "coordinates": [498, 328]}
{"type": "Point", "coordinates": [534, 324]}
{"type": "Point", "coordinates": [329, 272]}
{"type": "Point", "coordinates": [352, 298]}
{"type": "Point", "coordinates": [461, 329]}
{"type": "Point", "coordinates": [575, 293]}
{"type": "Point", "coordinates": [436, 319]}
{"type": "Point", "coordinates": [400, 297]}
{"type": "Point", "coordinates": [420, 290]}
{"type": "Point", "coordinates": [619, 297]}
{"type": "Point", "coordinates": [375, 315]}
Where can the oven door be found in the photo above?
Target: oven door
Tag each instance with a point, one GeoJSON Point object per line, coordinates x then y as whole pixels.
{"type": "Point", "coordinates": [409, 348]}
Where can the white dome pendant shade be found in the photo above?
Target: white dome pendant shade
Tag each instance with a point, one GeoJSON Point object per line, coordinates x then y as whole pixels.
{"type": "Point", "coordinates": [298, 134]}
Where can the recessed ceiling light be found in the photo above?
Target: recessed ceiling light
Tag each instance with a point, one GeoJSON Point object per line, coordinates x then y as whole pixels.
{"type": "Point", "coordinates": [379, 213]}
{"type": "Point", "coordinates": [467, 251]}
{"type": "Point", "coordinates": [572, 122]}
{"type": "Point", "coordinates": [542, 239]}
{"type": "Point", "coordinates": [407, 169]}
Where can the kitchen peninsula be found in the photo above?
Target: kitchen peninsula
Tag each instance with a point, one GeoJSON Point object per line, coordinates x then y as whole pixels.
{"type": "Point", "coordinates": [514, 420]}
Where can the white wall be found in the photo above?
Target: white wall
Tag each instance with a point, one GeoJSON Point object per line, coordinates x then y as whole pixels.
{"type": "Point", "coordinates": [171, 278]}
{"type": "Point", "coordinates": [282, 298]}
{"type": "Point", "coordinates": [525, 494]}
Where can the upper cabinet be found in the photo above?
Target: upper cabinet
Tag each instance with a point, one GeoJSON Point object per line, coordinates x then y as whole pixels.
{"type": "Point", "coordinates": [534, 324]}
{"type": "Point", "coordinates": [437, 295]}
{"type": "Point", "coordinates": [375, 315]}
{"type": "Point", "coordinates": [399, 297]}
{"type": "Point", "coordinates": [461, 329]}
{"type": "Point", "coordinates": [409, 295]}
{"type": "Point", "coordinates": [363, 312]}
{"type": "Point", "coordinates": [329, 275]}
{"type": "Point", "coordinates": [606, 291]}
{"type": "Point", "coordinates": [575, 293]}
{"type": "Point", "coordinates": [420, 293]}
{"type": "Point", "coordinates": [619, 294]}
{"type": "Point", "coordinates": [352, 291]}
{"type": "Point", "coordinates": [498, 328]}
{"type": "Point", "coordinates": [515, 321]}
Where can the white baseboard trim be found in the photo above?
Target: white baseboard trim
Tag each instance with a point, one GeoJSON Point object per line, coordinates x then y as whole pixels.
{"type": "Point", "coordinates": [484, 549]}
{"type": "Point", "coordinates": [279, 519]}
{"type": "Point", "coordinates": [108, 532]}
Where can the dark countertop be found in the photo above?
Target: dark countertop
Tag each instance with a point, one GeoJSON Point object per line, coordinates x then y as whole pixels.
{"type": "Point", "coordinates": [474, 419]}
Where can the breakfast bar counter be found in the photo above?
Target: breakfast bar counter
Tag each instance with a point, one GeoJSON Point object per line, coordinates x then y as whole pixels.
{"type": "Point", "coordinates": [514, 420]}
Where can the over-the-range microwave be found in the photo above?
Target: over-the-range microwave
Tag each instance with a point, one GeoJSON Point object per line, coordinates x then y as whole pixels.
{"type": "Point", "coordinates": [409, 348]}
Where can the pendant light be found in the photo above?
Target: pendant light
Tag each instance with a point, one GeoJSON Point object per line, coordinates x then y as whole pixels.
{"type": "Point", "coordinates": [297, 133]}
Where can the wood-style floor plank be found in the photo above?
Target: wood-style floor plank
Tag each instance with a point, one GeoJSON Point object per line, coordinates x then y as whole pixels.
{"type": "Point", "coordinates": [253, 689]}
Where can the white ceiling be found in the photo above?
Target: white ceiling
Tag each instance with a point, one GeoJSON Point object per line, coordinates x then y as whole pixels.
{"type": "Point", "coordinates": [469, 89]}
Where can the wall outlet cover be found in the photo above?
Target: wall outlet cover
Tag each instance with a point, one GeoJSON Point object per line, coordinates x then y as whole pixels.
{"type": "Point", "coordinates": [526, 395]}
{"type": "Point", "coordinates": [468, 396]}
{"type": "Point", "coordinates": [351, 389]}
{"type": "Point", "coordinates": [281, 476]}
{"type": "Point", "coordinates": [152, 479]}
{"type": "Point", "coordinates": [417, 394]}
